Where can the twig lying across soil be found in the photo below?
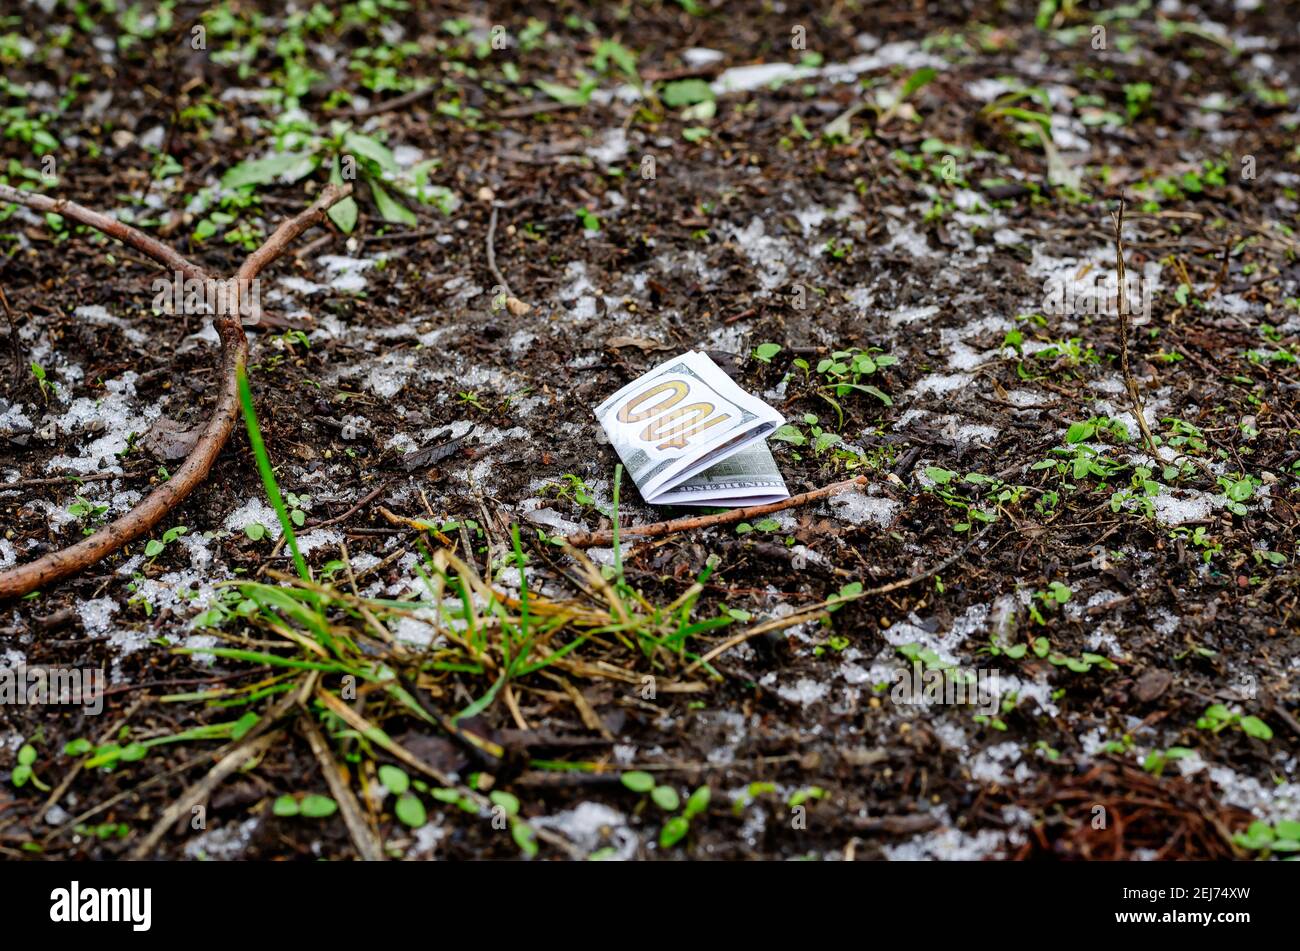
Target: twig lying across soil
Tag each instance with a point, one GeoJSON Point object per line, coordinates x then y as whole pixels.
{"type": "Point", "coordinates": [1121, 304]}
{"type": "Point", "coordinates": [231, 757]}
{"type": "Point", "coordinates": [55, 566]}
{"type": "Point", "coordinates": [818, 611]}
{"type": "Point", "coordinates": [401, 102]}
{"type": "Point", "coordinates": [370, 497]}
{"type": "Point", "coordinates": [363, 837]}
{"type": "Point", "coordinates": [492, 252]}
{"type": "Point", "coordinates": [659, 529]}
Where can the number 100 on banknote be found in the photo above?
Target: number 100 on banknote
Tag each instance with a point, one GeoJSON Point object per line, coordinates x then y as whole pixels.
{"type": "Point", "coordinates": [673, 425]}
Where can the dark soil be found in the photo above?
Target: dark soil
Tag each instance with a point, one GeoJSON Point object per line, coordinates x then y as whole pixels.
{"type": "Point", "coordinates": [1185, 597]}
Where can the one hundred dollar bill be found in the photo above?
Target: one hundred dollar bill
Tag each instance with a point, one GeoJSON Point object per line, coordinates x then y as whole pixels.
{"type": "Point", "coordinates": [688, 435]}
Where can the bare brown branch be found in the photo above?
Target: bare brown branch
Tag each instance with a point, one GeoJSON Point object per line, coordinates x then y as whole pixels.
{"type": "Point", "coordinates": [167, 257]}
{"type": "Point", "coordinates": [659, 529]}
{"type": "Point", "coordinates": [138, 522]}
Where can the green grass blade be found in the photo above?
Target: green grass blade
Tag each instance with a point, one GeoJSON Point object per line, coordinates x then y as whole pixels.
{"type": "Point", "coordinates": [268, 476]}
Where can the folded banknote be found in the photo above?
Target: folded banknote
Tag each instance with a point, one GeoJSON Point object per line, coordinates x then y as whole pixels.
{"type": "Point", "coordinates": [688, 435]}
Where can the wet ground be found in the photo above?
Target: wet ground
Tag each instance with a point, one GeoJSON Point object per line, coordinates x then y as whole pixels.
{"type": "Point", "coordinates": [1137, 615]}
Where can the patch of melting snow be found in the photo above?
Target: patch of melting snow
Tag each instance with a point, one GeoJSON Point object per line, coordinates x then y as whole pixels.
{"type": "Point", "coordinates": [950, 734]}
{"type": "Point", "coordinates": [855, 674]}
{"type": "Point", "coordinates": [906, 53]}
{"type": "Point", "coordinates": [940, 383]}
{"type": "Point", "coordinates": [427, 839]}
{"type": "Point", "coordinates": [910, 315]}
{"type": "Point", "coordinates": [1189, 505]}
{"type": "Point", "coordinates": [962, 356]}
{"type": "Point", "coordinates": [100, 317]}
{"type": "Point", "coordinates": [417, 632]}
{"type": "Point", "coordinates": [114, 416]}
{"type": "Point", "coordinates": [990, 765]}
{"type": "Point", "coordinates": [591, 826]}
{"type": "Point", "coordinates": [803, 692]}
{"type": "Point", "coordinates": [251, 512]}
{"type": "Point", "coordinates": [986, 90]}
{"type": "Point", "coordinates": [911, 631]}
{"type": "Point", "coordinates": [300, 285]}
{"type": "Point", "coordinates": [223, 843]}
{"type": "Point", "coordinates": [182, 592]}
{"type": "Point", "coordinates": [612, 147]}
{"type": "Point", "coordinates": [1040, 691]}
{"type": "Point", "coordinates": [768, 254]}
{"type": "Point", "coordinates": [319, 538]}
{"type": "Point", "coordinates": [948, 844]}
{"type": "Point", "coordinates": [861, 509]}
{"type": "Point", "coordinates": [605, 556]}
{"type": "Point", "coordinates": [97, 615]}
{"type": "Point", "coordinates": [1272, 802]}
{"type": "Point", "coordinates": [388, 375]}
{"type": "Point", "coordinates": [731, 726]}
{"type": "Point", "coordinates": [14, 422]}
{"type": "Point", "coordinates": [1024, 399]}
{"type": "Point", "coordinates": [727, 339]}
{"type": "Point", "coordinates": [345, 273]}
{"type": "Point", "coordinates": [521, 342]}
{"type": "Point", "coordinates": [697, 56]}
{"type": "Point", "coordinates": [1166, 623]}
{"type": "Point", "coordinates": [973, 432]}
{"type": "Point", "coordinates": [906, 239]}
{"type": "Point", "coordinates": [536, 512]}
{"type": "Point", "coordinates": [1152, 410]}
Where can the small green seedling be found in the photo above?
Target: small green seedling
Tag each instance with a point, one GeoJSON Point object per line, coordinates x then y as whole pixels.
{"type": "Point", "coordinates": [47, 387]}
{"type": "Point", "coordinates": [1218, 718]}
{"type": "Point", "coordinates": [1157, 760]}
{"type": "Point", "coordinates": [525, 836]}
{"type": "Point", "coordinates": [1282, 836]}
{"type": "Point", "coordinates": [88, 512]}
{"type": "Point", "coordinates": [309, 806]}
{"type": "Point", "coordinates": [154, 547]}
{"type": "Point", "coordinates": [25, 772]}
{"type": "Point", "coordinates": [298, 504]}
{"type": "Point", "coordinates": [667, 799]}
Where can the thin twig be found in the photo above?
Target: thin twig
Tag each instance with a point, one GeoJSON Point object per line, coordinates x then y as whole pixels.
{"type": "Point", "coordinates": [356, 508]}
{"type": "Point", "coordinates": [818, 611]}
{"type": "Point", "coordinates": [1121, 304]}
{"type": "Point", "coordinates": [363, 837]}
{"type": "Point", "coordinates": [415, 95]}
{"type": "Point", "coordinates": [76, 769]}
{"type": "Point", "coordinates": [492, 253]}
{"type": "Point", "coordinates": [659, 529]}
{"type": "Point", "coordinates": [247, 749]}
{"type": "Point", "coordinates": [232, 757]}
